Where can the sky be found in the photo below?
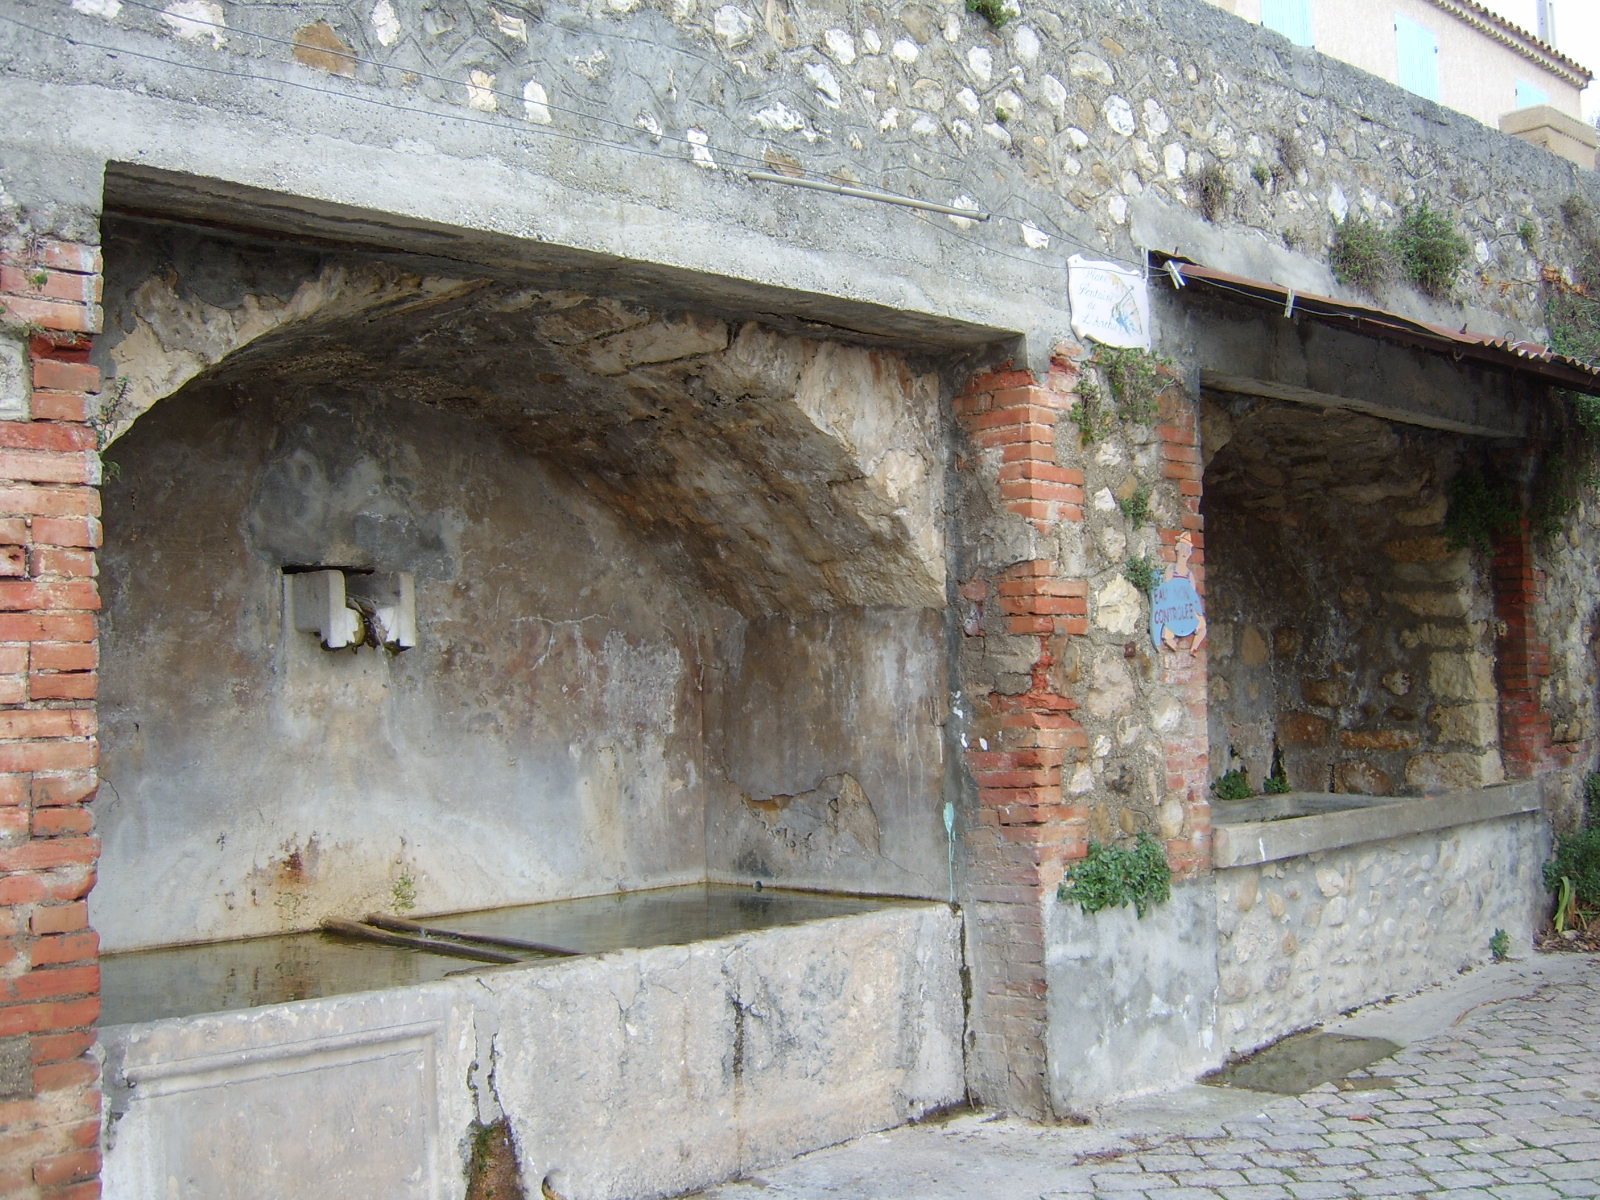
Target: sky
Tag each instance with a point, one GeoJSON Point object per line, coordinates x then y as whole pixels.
{"type": "Point", "coordinates": [1577, 25]}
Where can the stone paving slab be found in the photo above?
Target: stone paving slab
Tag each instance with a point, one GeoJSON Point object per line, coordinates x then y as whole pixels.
{"type": "Point", "coordinates": [1494, 1094]}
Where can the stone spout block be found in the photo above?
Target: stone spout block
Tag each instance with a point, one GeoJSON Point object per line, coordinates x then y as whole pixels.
{"type": "Point", "coordinates": [318, 605]}
{"type": "Point", "coordinates": [389, 602]}
{"type": "Point", "coordinates": [347, 608]}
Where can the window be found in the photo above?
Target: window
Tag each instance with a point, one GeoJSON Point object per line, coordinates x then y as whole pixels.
{"type": "Point", "coordinates": [1528, 95]}
{"type": "Point", "coordinates": [1417, 47]}
{"type": "Point", "coordinates": [1292, 18]}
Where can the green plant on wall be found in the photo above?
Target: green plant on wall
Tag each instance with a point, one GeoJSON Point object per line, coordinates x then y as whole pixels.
{"type": "Point", "coordinates": [1136, 378]}
{"type": "Point", "coordinates": [1111, 876]}
{"type": "Point", "coordinates": [1430, 251]}
{"type": "Point", "coordinates": [1092, 412]}
{"type": "Point", "coordinates": [996, 12]}
{"type": "Point", "coordinates": [1144, 572]}
{"type": "Point", "coordinates": [1361, 254]}
{"type": "Point", "coordinates": [1500, 945]}
{"type": "Point", "coordinates": [1232, 785]}
{"type": "Point", "coordinates": [1478, 509]}
{"type": "Point", "coordinates": [1136, 505]}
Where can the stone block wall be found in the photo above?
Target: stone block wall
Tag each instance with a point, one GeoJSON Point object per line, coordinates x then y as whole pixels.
{"type": "Point", "coordinates": [1301, 939]}
{"type": "Point", "coordinates": [1354, 648]}
{"type": "Point", "coordinates": [49, 528]}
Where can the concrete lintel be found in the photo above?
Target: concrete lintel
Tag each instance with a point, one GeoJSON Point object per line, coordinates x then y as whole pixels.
{"type": "Point", "coordinates": [1253, 351]}
{"type": "Point", "coordinates": [1363, 819]}
{"type": "Point", "coordinates": [1242, 385]}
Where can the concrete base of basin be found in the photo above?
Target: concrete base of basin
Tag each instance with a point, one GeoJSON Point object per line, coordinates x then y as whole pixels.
{"type": "Point", "coordinates": [626, 1075]}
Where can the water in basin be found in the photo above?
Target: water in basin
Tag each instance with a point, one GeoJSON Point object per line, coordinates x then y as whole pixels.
{"type": "Point", "coordinates": [177, 981]}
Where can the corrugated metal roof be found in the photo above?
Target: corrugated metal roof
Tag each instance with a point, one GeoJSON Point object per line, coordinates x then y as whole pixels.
{"type": "Point", "coordinates": [1527, 358]}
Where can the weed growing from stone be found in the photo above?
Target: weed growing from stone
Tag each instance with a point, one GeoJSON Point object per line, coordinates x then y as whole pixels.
{"type": "Point", "coordinates": [1361, 254]}
{"type": "Point", "coordinates": [1478, 509]}
{"type": "Point", "coordinates": [1528, 235]}
{"type": "Point", "coordinates": [1212, 189]}
{"type": "Point", "coordinates": [1136, 379]}
{"type": "Point", "coordinates": [1500, 945]}
{"type": "Point", "coordinates": [1261, 173]}
{"type": "Point", "coordinates": [1232, 785]}
{"type": "Point", "coordinates": [404, 893]}
{"type": "Point", "coordinates": [1291, 155]}
{"type": "Point", "coordinates": [1276, 785]}
{"type": "Point", "coordinates": [996, 12]}
{"type": "Point", "coordinates": [1144, 572]}
{"type": "Point", "coordinates": [1092, 412]}
{"type": "Point", "coordinates": [1136, 507]}
{"type": "Point", "coordinates": [1430, 251]}
{"type": "Point", "coordinates": [1111, 876]}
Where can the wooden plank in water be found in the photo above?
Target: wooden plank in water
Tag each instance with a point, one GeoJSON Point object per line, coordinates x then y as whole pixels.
{"type": "Point", "coordinates": [356, 929]}
{"type": "Point", "coordinates": [401, 925]}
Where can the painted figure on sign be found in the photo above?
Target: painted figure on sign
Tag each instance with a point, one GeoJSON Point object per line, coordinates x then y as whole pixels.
{"type": "Point", "coordinates": [1176, 610]}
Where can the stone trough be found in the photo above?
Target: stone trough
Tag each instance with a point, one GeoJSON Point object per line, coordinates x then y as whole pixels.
{"type": "Point", "coordinates": [644, 1069]}
{"type": "Point", "coordinates": [1326, 901]}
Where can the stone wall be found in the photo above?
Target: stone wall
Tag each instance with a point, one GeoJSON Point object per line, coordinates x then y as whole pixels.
{"type": "Point", "coordinates": [1301, 939]}
{"type": "Point", "coordinates": [1353, 649]}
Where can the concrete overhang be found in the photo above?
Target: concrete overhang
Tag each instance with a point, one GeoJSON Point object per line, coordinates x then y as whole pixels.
{"type": "Point", "coordinates": [1326, 353]}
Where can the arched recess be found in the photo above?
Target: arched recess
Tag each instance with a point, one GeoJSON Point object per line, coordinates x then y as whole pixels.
{"type": "Point", "coordinates": [677, 579]}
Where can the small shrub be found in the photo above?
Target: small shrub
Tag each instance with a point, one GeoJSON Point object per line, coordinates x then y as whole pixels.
{"type": "Point", "coordinates": [1136, 507]}
{"type": "Point", "coordinates": [1144, 572]}
{"type": "Point", "coordinates": [1591, 798]}
{"type": "Point", "coordinates": [1276, 785]}
{"type": "Point", "coordinates": [1528, 235]}
{"type": "Point", "coordinates": [1500, 945]}
{"type": "Point", "coordinates": [1573, 320]}
{"type": "Point", "coordinates": [1361, 254]}
{"type": "Point", "coordinates": [1430, 251]}
{"type": "Point", "coordinates": [1232, 785]}
{"type": "Point", "coordinates": [1111, 876]}
{"type": "Point", "coordinates": [1578, 860]}
{"type": "Point", "coordinates": [1478, 509]}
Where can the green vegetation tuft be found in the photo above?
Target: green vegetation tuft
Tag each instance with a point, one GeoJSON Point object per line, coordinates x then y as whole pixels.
{"type": "Point", "coordinates": [1111, 876]}
{"type": "Point", "coordinates": [1361, 254]}
{"type": "Point", "coordinates": [1430, 251]}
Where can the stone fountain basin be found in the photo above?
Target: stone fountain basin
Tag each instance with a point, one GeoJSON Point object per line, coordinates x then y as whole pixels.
{"type": "Point", "coordinates": [1269, 828]}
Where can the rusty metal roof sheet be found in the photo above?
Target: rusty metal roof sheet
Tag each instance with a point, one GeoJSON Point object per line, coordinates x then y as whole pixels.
{"type": "Point", "coordinates": [1527, 358]}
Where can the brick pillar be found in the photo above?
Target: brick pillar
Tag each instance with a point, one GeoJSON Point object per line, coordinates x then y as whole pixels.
{"type": "Point", "coordinates": [1522, 661]}
{"type": "Point", "coordinates": [49, 526]}
{"type": "Point", "coordinates": [1187, 745]}
{"type": "Point", "coordinates": [1020, 738]}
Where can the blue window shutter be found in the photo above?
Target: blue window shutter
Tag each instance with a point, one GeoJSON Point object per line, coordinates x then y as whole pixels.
{"type": "Point", "coordinates": [1292, 18]}
{"type": "Point", "coordinates": [1528, 95]}
{"type": "Point", "coordinates": [1418, 52]}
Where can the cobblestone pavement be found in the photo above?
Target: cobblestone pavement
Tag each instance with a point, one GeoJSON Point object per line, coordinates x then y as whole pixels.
{"type": "Point", "coordinates": [1495, 1093]}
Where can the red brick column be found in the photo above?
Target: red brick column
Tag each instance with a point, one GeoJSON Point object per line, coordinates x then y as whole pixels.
{"type": "Point", "coordinates": [1187, 747]}
{"type": "Point", "coordinates": [1522, 660]}
{"type": "Point", "coordinates": [49, 526]}
{"type": "Point", "coordinates": [1024, 832]}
